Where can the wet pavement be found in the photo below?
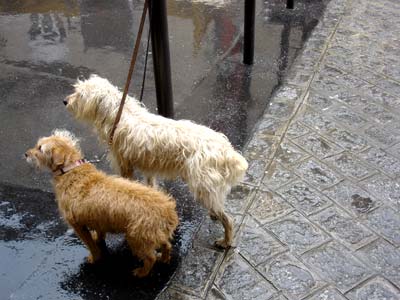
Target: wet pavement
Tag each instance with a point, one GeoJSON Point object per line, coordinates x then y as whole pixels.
{"type": "Point", "coordinates": [45, 45]}
{"type": "Point", "coordinates": [318, 213]}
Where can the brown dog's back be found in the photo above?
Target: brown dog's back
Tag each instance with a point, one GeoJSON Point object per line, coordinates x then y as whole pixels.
{"type": "Point", "coordinates": [112, 204]}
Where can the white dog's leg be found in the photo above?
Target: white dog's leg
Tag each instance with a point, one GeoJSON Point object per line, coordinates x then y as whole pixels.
{"type": "Point", "coordinates": [214, 202]}
{"type": "Point", "coordinates": [127, 172]}
{"type": "Point", "coordinates": [151, 181]}
{"type": "Point", "coordinates": [227, 222]}
{"type": "Point", "coordinates": [122, 167]}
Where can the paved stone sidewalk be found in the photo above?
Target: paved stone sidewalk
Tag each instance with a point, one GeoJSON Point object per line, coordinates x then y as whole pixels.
{"type": "Point", "coordinates": [318, 215]}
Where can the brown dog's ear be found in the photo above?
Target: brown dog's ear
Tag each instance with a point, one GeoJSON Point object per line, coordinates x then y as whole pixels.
{"type": "Point", "coordinates": [57, 158]}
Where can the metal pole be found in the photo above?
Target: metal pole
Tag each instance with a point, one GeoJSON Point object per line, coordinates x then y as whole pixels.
{"type": "Point", "coordinates": [290, 4]}
{"type": "Point", "coordinates": [248, 44]}
{"type": "Point", "coordinates": [161, 58]}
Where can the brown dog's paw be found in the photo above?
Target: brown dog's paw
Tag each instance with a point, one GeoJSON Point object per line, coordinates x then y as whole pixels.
{"type": "Point", "coordinates": [222, 244]}
{"type": "Point", "coordinates": [140, 272]}
{"type": "Point", "coordinates": [165, 259]}
{"type": "Point", "coordinates": [92, 259]}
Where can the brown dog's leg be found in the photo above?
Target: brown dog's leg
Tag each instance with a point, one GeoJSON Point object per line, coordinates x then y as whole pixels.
{"type": "Point", "coordinates": [146, 252]}
{"type": "Point", "coordinates": [86, 237]}
{"type": "Point", "coordinates": [97, 236]}
{"type": "Point", "coordinates": [166, 252]}
{"type": "Point", "coordinates": [149, 258]}
{"type": "Point", "coordinates": [100, 240]}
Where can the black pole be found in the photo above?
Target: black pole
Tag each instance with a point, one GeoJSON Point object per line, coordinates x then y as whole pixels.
{"type": "Point", "coordinates": [284, 54]}
{"type": "Point", "coordinates": [290, 4]}
{"type": "Point", "coordinates": [248, 44]}
{"type": "Point", "coordinates": [161, 59]}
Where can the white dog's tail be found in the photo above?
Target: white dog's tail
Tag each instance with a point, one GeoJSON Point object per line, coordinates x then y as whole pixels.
{"type": "Point", "coordinates": [222, 171]}
{"type": "Point", "coordinates": [236, 167]}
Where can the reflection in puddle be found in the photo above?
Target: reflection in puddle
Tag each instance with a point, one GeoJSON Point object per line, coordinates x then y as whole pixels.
{"type": "Point", "coordinates": [66, 7]}
{"type": "Point", "coordinates": [215, 3]}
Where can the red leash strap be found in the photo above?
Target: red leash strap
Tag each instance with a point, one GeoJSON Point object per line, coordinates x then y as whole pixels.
{"type": "Point", "coordinates": [131, 68]}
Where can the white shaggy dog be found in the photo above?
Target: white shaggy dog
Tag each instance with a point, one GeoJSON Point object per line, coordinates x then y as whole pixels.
{"type": "Point", "coordinates": [163, 147]}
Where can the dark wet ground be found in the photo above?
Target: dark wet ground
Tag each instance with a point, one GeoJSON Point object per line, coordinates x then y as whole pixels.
{"type": "Point", "coordinates": [44, 46]}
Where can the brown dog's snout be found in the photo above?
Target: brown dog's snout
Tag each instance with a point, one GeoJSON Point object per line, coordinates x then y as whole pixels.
{"type": "Point", "coordinates": [28, 153]}
{"type": "Point", "coordinates": [65, 101]}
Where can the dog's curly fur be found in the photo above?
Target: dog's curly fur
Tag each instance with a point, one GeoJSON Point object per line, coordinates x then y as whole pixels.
{"type": "Point", "coordinates": [93, 203]}
{"type": "Point", "coordinates": [163, 147]}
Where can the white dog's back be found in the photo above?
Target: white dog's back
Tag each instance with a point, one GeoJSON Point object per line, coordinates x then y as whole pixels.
{"type": "Point", "coordinates": [156, 144]}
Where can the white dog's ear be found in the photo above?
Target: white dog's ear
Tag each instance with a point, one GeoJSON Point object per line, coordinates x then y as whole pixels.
{"type": "Point", "coordinates": [68, 135]}
{"type": "Point", "coordinates": [78, 82]}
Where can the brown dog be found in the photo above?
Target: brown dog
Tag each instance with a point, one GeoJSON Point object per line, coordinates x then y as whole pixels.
{"type": "Point", "coordinates": [93, 203]}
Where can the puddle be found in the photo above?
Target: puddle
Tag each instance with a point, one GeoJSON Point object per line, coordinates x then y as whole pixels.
{"type": "Point", "coordinates": [44, 252]}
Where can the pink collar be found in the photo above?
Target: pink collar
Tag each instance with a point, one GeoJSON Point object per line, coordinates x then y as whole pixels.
{"type": "Point", "coordinates": [66, 169]}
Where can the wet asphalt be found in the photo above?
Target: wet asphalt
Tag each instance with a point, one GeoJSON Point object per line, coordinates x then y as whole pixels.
{"type": "Point", "coordinates": [45, 46]}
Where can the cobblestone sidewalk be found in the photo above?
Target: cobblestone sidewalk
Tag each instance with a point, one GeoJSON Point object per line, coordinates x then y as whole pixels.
{"type": "Point", "coordinates": [318, 213]}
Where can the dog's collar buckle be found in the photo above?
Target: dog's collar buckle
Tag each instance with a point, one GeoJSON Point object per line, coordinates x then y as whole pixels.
{"type": "Point", "coordinates": [66, 169]}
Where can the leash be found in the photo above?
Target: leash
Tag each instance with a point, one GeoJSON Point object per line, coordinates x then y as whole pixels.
{"type": "Point", "coordinates": [145, 65]}
{"type": "Point", "coordinates": [130, 72]}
